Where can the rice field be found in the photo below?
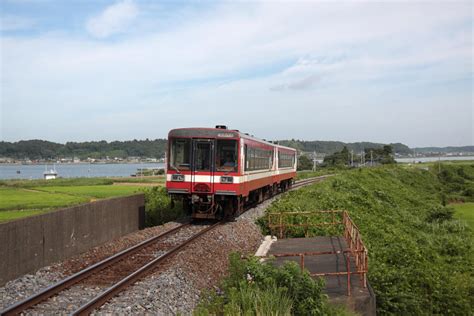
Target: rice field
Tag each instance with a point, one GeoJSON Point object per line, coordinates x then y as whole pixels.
{"type": "Point", "coordinates": [24, 198]}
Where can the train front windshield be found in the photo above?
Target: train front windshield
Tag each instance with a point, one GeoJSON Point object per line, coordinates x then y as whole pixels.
{"type": "Point", "coordinates": [225, 153]}
{"type": "Point", "coordinates": [180, 154]}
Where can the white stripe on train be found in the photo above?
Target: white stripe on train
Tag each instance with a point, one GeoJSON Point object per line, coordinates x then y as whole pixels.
{"type": "Point", "coordinates": [237, 179]}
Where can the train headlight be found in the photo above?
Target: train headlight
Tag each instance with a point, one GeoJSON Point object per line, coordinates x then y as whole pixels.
{"type": "Point", "coordinates": [227, 179]}
{"type": "Point", "coordinates": [177, 177]}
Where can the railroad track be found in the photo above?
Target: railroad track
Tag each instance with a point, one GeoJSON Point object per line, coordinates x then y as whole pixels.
{"type": "Point", "coordinates": [124, 268]}
{"type": "Point", "coordinates": [120, 270]}
{"type": "Point", "coordinates": [304, 182]}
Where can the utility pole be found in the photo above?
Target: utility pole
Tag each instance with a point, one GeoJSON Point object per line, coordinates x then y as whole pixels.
{"type": "Point", "coordinates": [314, 160]}
{"type": "Point", "coordinates": [352, 158]}
{"type": "Point", "coordinates": [371, 159]}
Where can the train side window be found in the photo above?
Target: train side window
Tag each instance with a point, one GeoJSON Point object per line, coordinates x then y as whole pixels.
{"type": "Point", "coordinates": [246, 157]}
{"type": "Point", "coordinates": [285, 160]}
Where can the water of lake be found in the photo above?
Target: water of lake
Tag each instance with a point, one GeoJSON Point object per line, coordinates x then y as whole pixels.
{"type": "Point", "coordinates": [430, 159]}
{"type": "Point", "coordinates": [10, 171]}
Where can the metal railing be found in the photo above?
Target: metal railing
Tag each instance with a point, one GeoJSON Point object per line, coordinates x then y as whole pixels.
{"type": "Point", "coordinates": [280, 222]}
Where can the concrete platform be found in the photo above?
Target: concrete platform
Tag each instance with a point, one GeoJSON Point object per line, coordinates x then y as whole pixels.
{"type": "Point", "coordinates": [362, 300]}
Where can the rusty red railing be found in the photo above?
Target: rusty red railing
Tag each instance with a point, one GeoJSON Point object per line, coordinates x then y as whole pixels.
{"type": "Point", "coordinates": [280, 222]}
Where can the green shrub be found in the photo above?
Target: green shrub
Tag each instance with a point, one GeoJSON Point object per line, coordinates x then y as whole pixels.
{"type": "Point", "coordinates": [255, 288]}
{"type": "Point", "coordinates": [440, 213]}
{"type": "Point", "coordinates": [158, 207]}
{"type": "Point", "coordinates": [457, 180]}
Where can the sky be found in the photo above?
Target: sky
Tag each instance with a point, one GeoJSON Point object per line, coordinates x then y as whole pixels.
{"type": "Point", "coordinates": [391, 71]}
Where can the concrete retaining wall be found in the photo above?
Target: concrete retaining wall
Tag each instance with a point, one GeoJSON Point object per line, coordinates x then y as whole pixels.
{"type": "Point", "coordinates": [34, 242]}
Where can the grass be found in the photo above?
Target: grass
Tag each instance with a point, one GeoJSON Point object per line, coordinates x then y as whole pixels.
{"type": "Point", "coordinates": [55, 182]}
{"type": "Point", "coordinates": [300, 175]}
{"type": "Point", "coordinates": [6, 216]}
{"type": "Point", "coordinates": [465, 212]}
{"type": "Point", "coordinates": [23, 199]}
{"type": "Point", "coordinates": [92, 191]}
{"type": "Point", "coordinates": [155, 179]}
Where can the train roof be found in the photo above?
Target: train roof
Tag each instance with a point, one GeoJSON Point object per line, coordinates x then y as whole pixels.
{"type": "Point", "coordinates": [218, 133]}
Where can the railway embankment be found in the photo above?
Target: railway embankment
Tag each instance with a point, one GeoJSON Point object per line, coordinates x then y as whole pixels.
{"type": "Point", "coordinates": [420, 255]}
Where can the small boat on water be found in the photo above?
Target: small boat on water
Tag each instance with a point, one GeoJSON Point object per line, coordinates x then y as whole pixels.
{"type": "Point", "coordinates": [51, 174]}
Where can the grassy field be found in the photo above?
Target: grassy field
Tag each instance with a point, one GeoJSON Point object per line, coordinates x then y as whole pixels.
{"type": "Point", "coordinates": [11, 215]}
{"type": "Point", "coordinates": [465, 212]}
{"type": "Point", "coordinates": [24, 199]}
{"type": "Point", "coordinates": [21, 198]}
{"type": "Point", "coordinates": [78, 181]}
{"type": "Point", "coordinates": [92, 191]}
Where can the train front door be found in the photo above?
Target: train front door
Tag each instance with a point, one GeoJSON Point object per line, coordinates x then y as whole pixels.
{"type": "Point", "coordinates": [203, 166]}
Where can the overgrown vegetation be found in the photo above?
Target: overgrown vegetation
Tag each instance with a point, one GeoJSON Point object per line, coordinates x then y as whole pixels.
{"type": "Point", "coordinates": [420, 256]}
{"type": "Point", "coordinates": [457, 181]}
{"type": "Point", "coordinates": [159, 208]}
{"type": "Point", "coordinates": [254, 288]}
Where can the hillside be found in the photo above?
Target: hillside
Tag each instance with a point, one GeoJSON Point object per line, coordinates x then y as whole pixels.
{"type": "Point", "coordinates": [41, 149]}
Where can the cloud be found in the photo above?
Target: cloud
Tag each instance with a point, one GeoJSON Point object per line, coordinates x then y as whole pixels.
{"type": "Point", "coordinates": [305, 83]}
{"type": "Point", "coordinates": [114, 19]}
{"type": "Point", "coordinates": [328, 61]}
{"type": "Point", "coordinates": [15, 23]}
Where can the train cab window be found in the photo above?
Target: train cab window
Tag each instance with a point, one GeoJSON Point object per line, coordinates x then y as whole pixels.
{"type": "Point", "coordinates": [226, 155]}
{"type": "Point", "coordinates": [180, 154]}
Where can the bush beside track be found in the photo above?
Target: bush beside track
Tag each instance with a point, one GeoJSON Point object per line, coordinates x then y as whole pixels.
{"type": "Point", "coordinates": [420, 256]}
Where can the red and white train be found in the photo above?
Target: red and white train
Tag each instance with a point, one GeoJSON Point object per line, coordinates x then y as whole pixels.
{"type": "Point", "coordinates": [215, 172]}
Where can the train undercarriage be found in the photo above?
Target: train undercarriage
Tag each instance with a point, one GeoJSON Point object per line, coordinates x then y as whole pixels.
{"type": "Point", "coordinates": [214, 206]}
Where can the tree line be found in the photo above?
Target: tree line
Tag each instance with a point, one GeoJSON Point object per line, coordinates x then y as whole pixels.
{"type": "Point", "coordinates": [331, 147]}
{"type": "Point", "coordinates": [40, 149]}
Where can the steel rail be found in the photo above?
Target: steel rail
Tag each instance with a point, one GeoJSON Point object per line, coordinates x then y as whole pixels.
{"type": "Point", "coordinates": [308, 181]}
{"type": "Point", "coordinates": [79, 276]}
{"type": "Point", "coordinates": [102, 298]}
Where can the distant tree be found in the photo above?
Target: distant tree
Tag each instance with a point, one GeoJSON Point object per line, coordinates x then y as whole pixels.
{"type": "Point", "coordinates": [304, 163]}
{"type": "Point", "coordinates": [380, 155]}
{"type": "Point", "coordinates": [340, 158]}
